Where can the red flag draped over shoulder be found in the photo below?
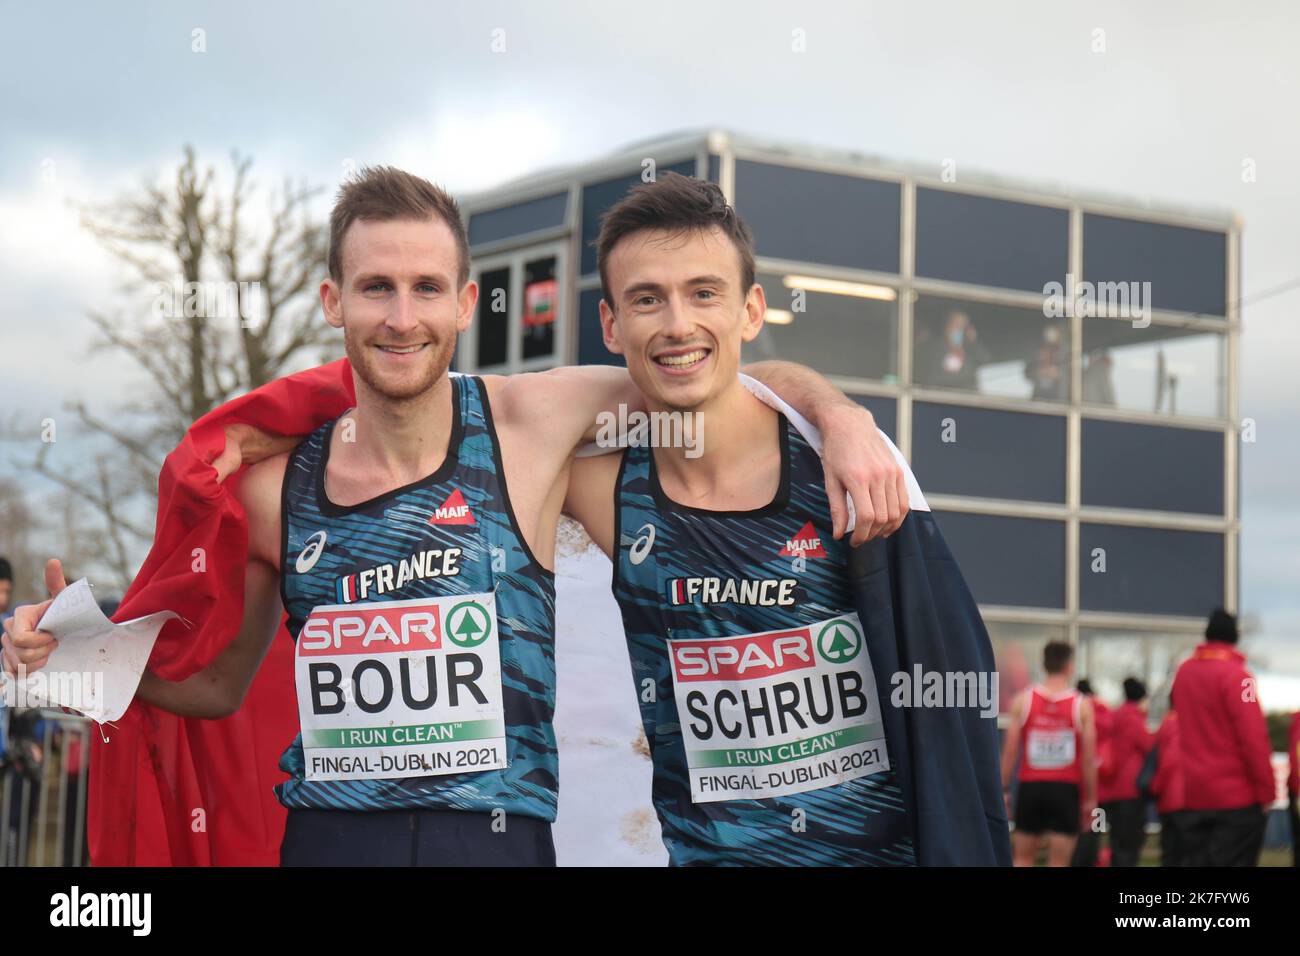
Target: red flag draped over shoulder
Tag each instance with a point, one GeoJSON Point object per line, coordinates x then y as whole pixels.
{"type": "Point", "coordinates": [168, 790]}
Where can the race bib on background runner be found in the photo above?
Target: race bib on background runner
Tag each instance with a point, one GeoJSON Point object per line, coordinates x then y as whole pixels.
{"type": "Point", "coordinates": [401, 689]}
{"type": "Point", "coordinates": [1050, 749]}
{"type": "Point", "coordinates": [765, 715]}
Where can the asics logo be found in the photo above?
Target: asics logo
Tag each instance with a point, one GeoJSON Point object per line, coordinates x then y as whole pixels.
{"type": "Point", "coordinates": [310, 554]}
{"type": "Point", "coordinates": [642, 545]}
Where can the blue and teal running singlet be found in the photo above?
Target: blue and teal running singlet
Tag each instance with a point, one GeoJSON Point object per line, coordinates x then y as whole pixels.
{"type": "Point", "coordinates": [424, 633]}
{"type": "Point", "coordinates": [756, 691]}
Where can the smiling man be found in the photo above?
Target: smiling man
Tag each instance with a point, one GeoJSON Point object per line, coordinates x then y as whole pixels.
{"type": "Point", "coordinates": [411, 544]}
{"type": "Point", "coordinates": [761, 646]}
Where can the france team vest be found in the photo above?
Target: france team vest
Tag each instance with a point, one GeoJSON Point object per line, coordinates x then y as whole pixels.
{"type": "Point", "coordinates": [756, 691]}
{"type": "Point", "coordinates": [424, 633]}
{"type": "Point", "coordinates": [1050, 748]}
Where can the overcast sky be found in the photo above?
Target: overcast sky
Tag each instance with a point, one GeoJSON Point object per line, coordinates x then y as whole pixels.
{"type": "Point", "coordinates": [95, 96]}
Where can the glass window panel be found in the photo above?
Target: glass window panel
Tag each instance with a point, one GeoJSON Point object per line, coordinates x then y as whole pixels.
{"type": "Point", "coordinates": [541, 300]}
{"type": "Point", "coordinates": [1107, 658]}
{"type": "Point", "coordinates": [808, 216]}
{"type": "Point", "coordinates": [591, 342]}
{"type": "Point", "coordinates": [990, 349]}
{"type": "Point", "coordinates": [965, 238]}
{"type": "Point", "coordinates": [1018, 650]}
{"type": "Point", "coordinates": [1156, 467]}
{"type": "Point", "coordinates": [1149, 570]}
{"type": "Point", "coordinates": [991, 454]}
{"type": "Point", "coordinates": [1152, 657]}
{"type": "Point", "coordinates": [1011, 561]}
{"type": "Point", "coordinates": [715, 167]}
{"type": "Point", "coordinates": [837, 328]}
{"type": "Point", "coordinates": [519, 219]}
{"type": "Point", "coordinates": [1159, 368]}
{"type": "Point", "coordinates": [598, 197]}
{"type": "Point", "coordinates": [493, 317]}
{"type": "Point", "coordinates": [1187, 268]}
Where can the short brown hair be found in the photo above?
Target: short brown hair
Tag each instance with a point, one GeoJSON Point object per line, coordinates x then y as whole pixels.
{"type": "Point", "coordinates": [1056, 655]}
{"type": "Point", "coordinates": [382, 194]}
{"type": "Point", "coordinates": [677, 203]}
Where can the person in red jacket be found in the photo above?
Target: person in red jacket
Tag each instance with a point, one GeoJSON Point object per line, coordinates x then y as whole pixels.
{"type": "Point", "coordinates": [1052, 738]}
{"type": "Point", "coordinates": [1125, 809]}
{"type": "Point", "coordinates": [1169, 791]}
{"type": "Point", "coordinates": [1293, 786]}
{"type": "Point", "coordinates": [1227, 759]}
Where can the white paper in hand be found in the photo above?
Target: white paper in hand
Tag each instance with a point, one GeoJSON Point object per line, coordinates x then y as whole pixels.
{"type": "Point", "coordinates": [97, 666]}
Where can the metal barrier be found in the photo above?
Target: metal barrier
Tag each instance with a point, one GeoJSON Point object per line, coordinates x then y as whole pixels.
{"type": "Point", "coordinates": [43, 787]}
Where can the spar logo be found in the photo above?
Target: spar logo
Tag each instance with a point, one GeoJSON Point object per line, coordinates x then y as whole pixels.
{"type": "Point", "coordinates": [389, 626]}
{"type": "Point", "coordinates": [452, 511]}
{"type": "Point", "coordinates": [469, 624]}
{"type": "Point", "coordinates": [743, 658]}
{"type": "Point", "coordinates": [838, 642]}
{"type": "Point", "coordinates": [806, 544]}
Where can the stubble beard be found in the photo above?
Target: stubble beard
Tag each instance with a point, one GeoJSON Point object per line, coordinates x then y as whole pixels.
{"type": "Point", "coordinates": [390, 388]}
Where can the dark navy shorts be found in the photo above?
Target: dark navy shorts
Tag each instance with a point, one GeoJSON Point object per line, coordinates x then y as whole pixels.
{"type": "Point", "coordinates": [414, 838]}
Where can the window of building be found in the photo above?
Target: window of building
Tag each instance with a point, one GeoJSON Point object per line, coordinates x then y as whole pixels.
{"type": "Point", "coordinates": [1108, 656]}
{"type": "Point", "coordinates": [492, 320]}
{"type": "Point", "coordinates": [1155, 467]}
{"type": "Point", "coordinates": [988, 453]}
{"type": "Point", "coordinates": [1149, 570]}
{"type": "Point", "coordinates": [597, 197]}
{"type": "Point", "coordinates": [990, 349]}
{"type": "Point", "coordinates": [591, 340]}
{"type": "Point", "coordinates": [977, 239]}
{"type": "Point", "coordinates": [835, 327]}
{"type": "Point", "coordinates": [1018, 651]}
{"type": "Point", "coordinates": [805, 215]}
{"type": "Point", "coordinates": [1163, 369]}
{"type": "Point", "coordinates": [523, 218]}
{"type": "Point", "coordinates": [1008, 560]}
{"type": "Point", "coordinates": [1187, 268]}
{"type": "Point", "coordinates": [520, 316]}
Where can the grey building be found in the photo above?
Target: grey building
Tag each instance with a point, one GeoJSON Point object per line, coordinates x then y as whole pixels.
{"type": "Point", "coordinates": [1059, 367]}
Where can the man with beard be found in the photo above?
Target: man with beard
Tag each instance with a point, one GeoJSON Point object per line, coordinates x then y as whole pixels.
{"type": "Point", "coordinates": [411, 544]}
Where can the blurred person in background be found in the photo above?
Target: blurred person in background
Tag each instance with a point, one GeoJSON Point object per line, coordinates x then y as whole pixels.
{"type": "Point", "coordinates": [6, 588]}
{"type": "Point", "coordinates": [22, 777]}
{"type": "Point", "coordinates": [1227, 758]}
{"type": "Point", "coordinates": [1098, 383]}
{"type": "Point", "coordinates": [1053, 738]}
{"type": "Point", "coordinates": [6, 600]}
{"type": "Point", "coordinates": [1167, 787]}
{"type": "Point", "coordinates": [1129, 743]}
{"type": "Point", "coordinates": [1045, 370]}
{"type": "Point", "coordinates": [1293, 786]}
{"type": "Point", "coordinates": [1086, 850]}
{"type": "Point", "coordinates": [952, 360]}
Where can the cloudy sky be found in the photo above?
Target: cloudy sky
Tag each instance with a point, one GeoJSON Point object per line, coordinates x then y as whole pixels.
{"type": "Point", "coordinates": [96, 96]}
